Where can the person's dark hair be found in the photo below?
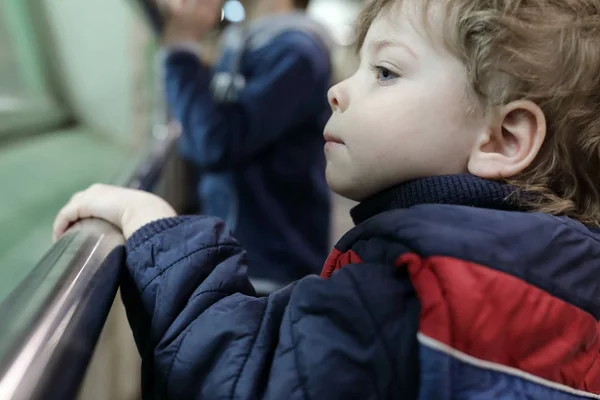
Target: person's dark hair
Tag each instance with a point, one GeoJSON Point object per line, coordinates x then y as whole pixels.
{"type": "Point", "coordinates": [301, 4]}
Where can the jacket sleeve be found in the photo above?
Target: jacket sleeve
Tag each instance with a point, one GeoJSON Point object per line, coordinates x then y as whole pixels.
{"type": "Point", "coordinates": [202, 333]}
{"type": "Point", "coordinates": [280, 92]}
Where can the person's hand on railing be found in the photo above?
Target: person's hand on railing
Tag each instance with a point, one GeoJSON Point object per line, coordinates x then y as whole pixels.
{"type": "Point", "coordinates": [127, 209]}
{"type": "Point", "coordinates": [190, 20]}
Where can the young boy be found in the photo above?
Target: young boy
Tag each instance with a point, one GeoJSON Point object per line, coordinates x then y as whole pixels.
{"type": "Point", "coordinates": [471, 135]}
{"type": "Point", "coordinates": [253, 128]}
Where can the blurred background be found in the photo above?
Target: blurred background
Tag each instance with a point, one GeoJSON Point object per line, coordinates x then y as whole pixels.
{"type": "Point", "coordinates": [80, 103]}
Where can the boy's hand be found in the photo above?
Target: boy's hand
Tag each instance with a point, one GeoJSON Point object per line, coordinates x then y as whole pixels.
{"type": "Point", "coordinates": [190, 19]}
{"type": "Point", "coordinates": [127, 209]}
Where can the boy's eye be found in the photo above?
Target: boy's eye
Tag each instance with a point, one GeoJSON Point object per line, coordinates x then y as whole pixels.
{"type": "Point", "coordinates": [384, 74]}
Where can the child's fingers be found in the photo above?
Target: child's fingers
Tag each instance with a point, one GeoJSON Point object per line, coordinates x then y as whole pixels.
{"type": "Point", "coordinates": [61, 222]}
{"type": "Point", "coordinates": [65, 218]}
{"type": "Point", "coordinates": [75, 210]}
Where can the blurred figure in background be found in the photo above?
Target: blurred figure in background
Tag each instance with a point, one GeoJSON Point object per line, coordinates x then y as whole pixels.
{"type": "Point", "coordinates": [252, 126]}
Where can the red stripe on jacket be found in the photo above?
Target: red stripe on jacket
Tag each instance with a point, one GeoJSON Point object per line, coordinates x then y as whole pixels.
{"type": "Point", "coordinates": [496, 317]}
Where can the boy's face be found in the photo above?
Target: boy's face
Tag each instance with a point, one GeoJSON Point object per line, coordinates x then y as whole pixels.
{"type": "Point", "coordinates": [403, 114]}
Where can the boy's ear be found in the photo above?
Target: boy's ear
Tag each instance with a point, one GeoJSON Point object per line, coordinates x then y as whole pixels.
{"type": "Point", "coordinates": [512, 141]}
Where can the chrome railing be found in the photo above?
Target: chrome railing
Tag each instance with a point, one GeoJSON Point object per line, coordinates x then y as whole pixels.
{"type": "Point", "coordinates": [51, 323]}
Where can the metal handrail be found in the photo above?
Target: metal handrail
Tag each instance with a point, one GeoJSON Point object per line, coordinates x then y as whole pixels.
{"type": "Point", "coordinates": [51, 322]}
{"type": "Point", "coordinates": [50, 325]}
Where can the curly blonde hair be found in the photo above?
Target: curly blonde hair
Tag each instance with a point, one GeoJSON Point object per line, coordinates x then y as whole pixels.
{"type": "Point", "coordinates": [546, 51]}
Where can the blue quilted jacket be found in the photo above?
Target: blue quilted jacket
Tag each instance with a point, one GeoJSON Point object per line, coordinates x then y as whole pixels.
{"type": "Point", "coordinates": [443, 290]}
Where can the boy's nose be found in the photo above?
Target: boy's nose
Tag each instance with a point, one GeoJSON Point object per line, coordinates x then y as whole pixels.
{"type": "Point", "coordinates": [338, 98]}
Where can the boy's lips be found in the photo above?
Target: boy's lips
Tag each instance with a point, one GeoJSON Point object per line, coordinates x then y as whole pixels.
{"type": "Point", "coordinates": [329, 137]}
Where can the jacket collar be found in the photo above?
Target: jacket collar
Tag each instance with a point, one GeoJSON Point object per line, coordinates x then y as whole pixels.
{"type": "Point", "coordinates": [464, 189]}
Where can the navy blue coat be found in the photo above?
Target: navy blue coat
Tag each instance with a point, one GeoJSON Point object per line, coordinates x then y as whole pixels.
{"type": "Point", "coordinates": [433, 301]}
{"type": "Point", "coordinates": [260, 159]}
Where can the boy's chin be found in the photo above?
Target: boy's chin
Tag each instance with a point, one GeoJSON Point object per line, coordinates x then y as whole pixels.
{"type": "Point", "coordinates": [348, 189]}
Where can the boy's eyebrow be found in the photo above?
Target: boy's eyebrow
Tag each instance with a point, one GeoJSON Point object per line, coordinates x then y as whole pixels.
{"type": "Point", "coordinates": [379, 45]}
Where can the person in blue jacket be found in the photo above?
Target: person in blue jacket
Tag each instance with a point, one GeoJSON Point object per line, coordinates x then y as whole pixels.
{"type": "Point", "coordinates": [252, 126]}
{"type": "Point", "coordinates": [470, 134]}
